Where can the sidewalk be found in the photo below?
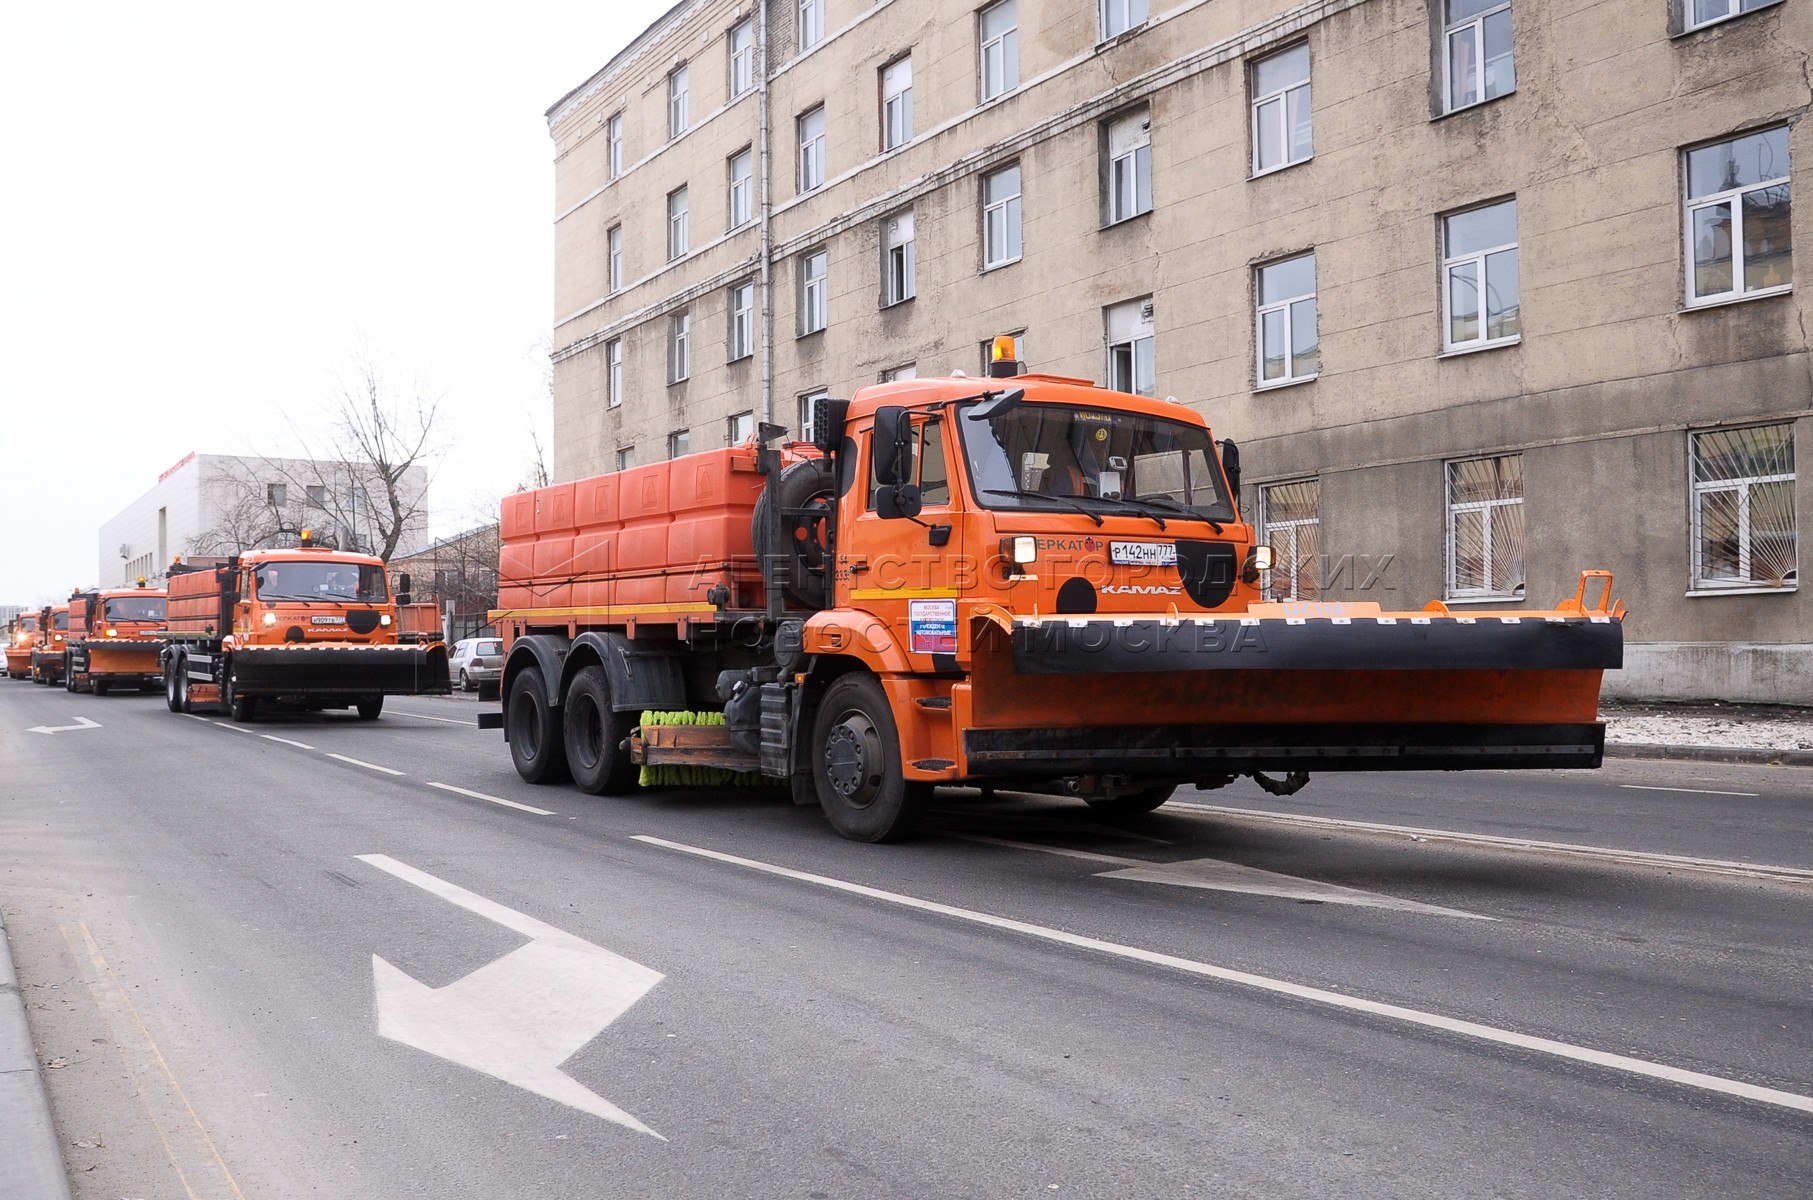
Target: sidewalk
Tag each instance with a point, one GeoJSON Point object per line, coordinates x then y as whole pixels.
{"type": "Point", "coordinates": [31, 1162]}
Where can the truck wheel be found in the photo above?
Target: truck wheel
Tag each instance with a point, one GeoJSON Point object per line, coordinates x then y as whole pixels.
{"type": "Point", "coordinates": [536, 744]}
{"type": "Point", "coordinates": [241, 708]}
{"type": "Point", "coordinates": [370, 707]}
{"type": "Point", "coordinates": [99, 686]}
{"type": "Point", "coordinates": [594, 736]}
{"type": "Point", "coordinates": [173, 697]}
{"type": "Point", "coordinates": [856, 764]}
{"type": "Point", "coordinates": [1133, 803]}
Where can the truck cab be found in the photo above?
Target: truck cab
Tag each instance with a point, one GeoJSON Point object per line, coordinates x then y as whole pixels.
{"type": "Point", "coordinates": [21, 633]}
{"type": "Point", "coordinates": [115, 638]}
{"type": "Point", "coordinates": [47, 658]}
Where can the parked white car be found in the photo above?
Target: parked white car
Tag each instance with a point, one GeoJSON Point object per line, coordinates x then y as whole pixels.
{"type": "Point", "coordinates": [474, 660]}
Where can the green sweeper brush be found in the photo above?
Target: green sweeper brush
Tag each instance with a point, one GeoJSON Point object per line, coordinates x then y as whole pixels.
{"type": "Point", "coordinates": [677, 775]}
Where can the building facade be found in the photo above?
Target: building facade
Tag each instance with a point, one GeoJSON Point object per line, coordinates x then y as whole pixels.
{"type": "Point", "coordinates": [220, 504]}
{"type": "Point", "coordinates": [1488, 291]}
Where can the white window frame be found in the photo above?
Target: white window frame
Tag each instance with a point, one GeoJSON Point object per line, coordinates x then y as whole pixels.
{"type": "Point", "coordinates": [1132, 358]}
{"type": "Point", "coordinates": [1699, 582]}
{"type": "Point", "coordinates": [679, 86]}
{"type": "Point", "coordinates": [678, 224]}
{"type": "Point", "coordinates": [1292, 528]}
{"type": "Point", "coordinates": [807, 428]}
{"type": "Point", "coordinates": [810, 126]}
{"type": "Point", "coordinates": [1477, 260]}
{"type": "Point", "coordinates": [998, 68]}
{"type": "Point", "coordinates": [1474, 27]}
{"type": "Point", "coordinates": [1733, 198]}
{"type": "Point", "coordinates": [1733, 10]}
{"type": "Point", "coordinates": [741, 202]}
{"type": "Point", "coordinates": [613, 373]}
{"type": "Point", "coordinates": [740, 427]}
{"type": "Point", "coordinates": [742, 57]}
{"type": "Point", "coordinates": [679, 444]}
{"type": "Point", "coordinates": [1274, 108]}
{"type": "Point", "coordinates": [613, 136]}
{"type": "Point", "coordinates": [897, 103]}
{"type": "Point", "coordinates": [902, 372]}
{"type": "Point", "coordinates": [811, 23]}
{"type": "Point", "coordinates": [814, 276]}
{"type": "Point", "coordinates": [1002, 234]}
{"type": "Point", "coordinates": [1129, 174]}
{"type": "Point", "coordinates": [1488, 510]}
{"type": "Point", "coordinates": [741, 306]}
{"type": "Point", "coordinates": [679, 346]}
{"type": "Point", "coordinates": [1285, 305]}
{"type": "Point", "coordinates": [1115, 17]}
{"type": "Point", "coordinates": [898, 259]}
{"type": "Point", "coordinates": [626, 457]}
{"type": "Point", "coordinates": [613, 273]}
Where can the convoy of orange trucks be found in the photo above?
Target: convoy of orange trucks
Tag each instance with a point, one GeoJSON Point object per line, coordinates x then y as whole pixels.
{"type": "Point", "coordinates": [1023, 581]}
{"type": "Point", "coordinates": [307, 627]}
{"type": "Point", "coordinates": [114, 639]}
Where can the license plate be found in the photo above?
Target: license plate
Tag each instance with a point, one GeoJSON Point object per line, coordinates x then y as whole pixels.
{"type": "Point", "coordinates": [1143, 554]}
{"type": "Point", "coordinates": [327, 620]}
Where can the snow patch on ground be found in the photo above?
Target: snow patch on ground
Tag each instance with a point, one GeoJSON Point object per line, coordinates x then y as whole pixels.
{"type": "Point", "coordinates": [1733, 732]}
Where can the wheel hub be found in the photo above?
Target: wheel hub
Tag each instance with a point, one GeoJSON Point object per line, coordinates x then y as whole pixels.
{"type": "Point", "coordinates": [852, 760]}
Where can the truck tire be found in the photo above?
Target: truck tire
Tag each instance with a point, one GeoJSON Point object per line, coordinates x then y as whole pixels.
{"type": "Point", "coordinates": [536, 743]}
{"type": "Point", "coordinates": [241, 708]}
{"type": "Point", "coordinates": [797, 564]}
{"type": "Point", "coordinates": [594, 736]}
{"type": "Point", "coordinates": [1133, 803]}
{"type": "Point", "coordinates": [69, 676]}
{"type": "Point", "coordinates": [370, 707]}
{"type": "Point", "coordinates": [99, 686]}
{"type": "Point", "coordinates": [855, 754]}
{"type": "Point", "coordinates": [173, 692]}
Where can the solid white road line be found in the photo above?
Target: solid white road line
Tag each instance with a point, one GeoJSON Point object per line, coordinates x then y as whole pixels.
{"type": "Point", "coordinates": [1394, 1012]}
{"type": "Point", "coordinates": [274, 738]}
{"type": "Point", "coordinates": [1640, 787]}
{"type": "Point", "coordinates": [369, 766]}
{"type": "Point", "coordinates": [448, 787]}
{"type": "Point", "coordinates": [403, 712]}
{"type": "Point", "coordinates": [193, 717]}
{"type": "Point", "coordinates": [1641, 858]}
{"type": "Point", "coordinates": [233, 727]}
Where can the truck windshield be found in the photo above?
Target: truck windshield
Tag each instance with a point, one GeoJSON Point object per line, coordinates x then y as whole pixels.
{"type": "Point", "coordinates": [360, 583]}
{"type": "Point", "coordinates": [1034, 453]}
{"type": "Point", "coordinates": [59, 620]}
{"type": "Point", "coordinates": [135, 608]}
{"type": "Point", "coordinates": [28, 624]}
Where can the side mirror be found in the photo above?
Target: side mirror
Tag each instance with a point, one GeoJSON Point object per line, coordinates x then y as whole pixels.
{"type": "Point", "coordinates": [1230, 463]}
{"type": "Point", "coordinates": [988, 410]}
{"type": "Point", "coordinates": [403, 588]}
{"type": "Point", "coordinates": [898, 500]}
{"type": "Point", "coordinates": [892, 444]}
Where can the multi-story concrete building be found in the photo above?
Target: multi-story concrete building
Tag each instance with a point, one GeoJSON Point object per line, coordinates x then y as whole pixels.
{"type": "Point", "coordinates": [217, 504]}
{"type": "Point", "coordinates": [1488, 291]}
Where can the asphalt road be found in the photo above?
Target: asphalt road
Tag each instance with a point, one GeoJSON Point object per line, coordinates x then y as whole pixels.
{"type": "Point", "coordinates": [217, 927]}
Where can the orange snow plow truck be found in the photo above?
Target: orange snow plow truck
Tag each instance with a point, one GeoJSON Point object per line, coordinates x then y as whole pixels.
{"type": "Point", "coordinates": [308, 628]}
{"type": "Point", "coordinates": [1027, 582]}
{"type": "Point", "coordinates": [115, 639]}
{"type": "Point", "coordinates": [21, 635]}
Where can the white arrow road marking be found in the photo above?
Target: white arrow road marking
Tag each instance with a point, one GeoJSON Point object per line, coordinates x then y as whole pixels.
{"type": "Point", "coordinates": [1213, 874]}
{"type": "Point", "coordinates": [81, 723]}
{"type": "Point", "coordinates": [1279, 987]}
{"type": "Point", "coordinates": [518, 1018]}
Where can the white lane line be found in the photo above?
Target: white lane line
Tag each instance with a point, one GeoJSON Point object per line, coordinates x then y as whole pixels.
{"type": "Point", "coordinates": [1641, 858]}
{"type": "Point", "coordinates": [448, 787]}
{"type": "Point", "coordinates": [1394, 1012]}
{"type": "Point", "coordinates": [233, 727]}
{"type": "Point", "coordinates": [193, 717]}
{"type": "Point", "coordinates": [286, 741]}
{"type": "Point", "coordinates": [403, 712]}
{"type": "Point", "coordinates": [368, 766]}
{"type": "Point", "coordinates": [1212, 874]}
{"type": "Point", "coordinates": [1641, 787]}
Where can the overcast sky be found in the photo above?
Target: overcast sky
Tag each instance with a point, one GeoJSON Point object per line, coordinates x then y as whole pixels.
{"type": "Point", "coordinates": [207, 207]}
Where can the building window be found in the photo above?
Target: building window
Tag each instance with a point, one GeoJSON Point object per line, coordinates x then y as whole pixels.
{"type": "Point", "coordinates": [1281, 110]}
{"type": "Point", "coordinates": [676, 102]}
{"type": "Point", "coordinates": [999, 27]}
{"type": "Point", "coordinates": [679, 442]}
{"type": "Point", "coordinates": [808, 414]}
{"type": "Point", "coordinates": [613, 372]}
{"type": "Point", "coordinates": [904, 371]}
{"type": "Point", "coordinates": [613, 135]}
{"type": "Point", "coordinates": [1287, 321]}
{"type": "Point", "coordinates": [742, 427]}
{"type": "Point", "coordinates": [741, 42]}
{"type": "Point", "coordinates": [613, 240]}
{"type": "Point", "coordinates": [741, 341]}
{"type": "Point", "coordinates": [276, 494]}
{"type": "Point", "coordinates": [897, 103]}
{"type": "Point", "coordinates": [1129, 174]}
{"type": "Point", "coordinates": [1118, 16]}
{"type": "Point", "coordinates": [679, 347]}
{"type": "Point", "coordinates": [1479, 277]}
{"type": "Point", "coordinates": [742, 192]}
{"type": "Point", "coordinates": [676, 223]}
{"type": "Point", "coordinates": [897, 259]}
{"type": "Point", "coordinates": [316, 495]}
{"type": "Point", "coordinates": [1743, 508]}
{"type": "Point", "coordinates": [813, 268]}
{"type": "Point", "coordinates": [1707, 12]}
{"type": "Point", "coordinates": [1477, 37]}
{"type": "Point", "coordinates": [1132, 364]}
{"type": "Point", "coordinates": [1738, 237]}
{"type": "Point", "coordinates": [812, 148]}
{"type": "Point", "coordinates": [811, 23]}
{"type": "Point", "coordinates": [1001, 217]}
{"type": "Point", "coordinates": [1485, 527]}
{"type": "Point", "coordinates": [1290, 521]}
{"type": "Point", "coordinates": [626, 457]}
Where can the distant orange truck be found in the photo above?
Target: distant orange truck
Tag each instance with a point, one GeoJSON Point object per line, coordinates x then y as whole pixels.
{"type": "Point", "coordinates": [115, 639]}
{"type": "Point", "coordinates": [47, 648]}
{"type": "Point", "coordinates": [21, 632]}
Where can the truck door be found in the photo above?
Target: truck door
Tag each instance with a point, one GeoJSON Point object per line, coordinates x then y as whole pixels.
{"type": "Point", "coordinates": [908, 571]}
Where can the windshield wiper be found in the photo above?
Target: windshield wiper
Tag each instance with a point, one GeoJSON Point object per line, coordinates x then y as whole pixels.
{"type": "Point", "coordinates": [1069, 502]}
{"type": "Point", "coordinates": [1176, 506]}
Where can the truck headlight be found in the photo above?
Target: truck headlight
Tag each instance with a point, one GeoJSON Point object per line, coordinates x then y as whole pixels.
{"type": "Point", "coordinates": [270, 620]}
{"type": "Point", "coordinates": [1020, 549]}
{"type": "Point", "coordinates": [113, 633]}
{"type": "Point", "coordinates": [384, 619]}
{"type": "Point", "coordinates": [1262, 558]}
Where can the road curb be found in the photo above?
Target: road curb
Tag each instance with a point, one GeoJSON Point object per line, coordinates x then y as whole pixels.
{"type": "Point", "coordinates": [31, 1162]}
{"type": "Point", "coordinates": [1713, 754]}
